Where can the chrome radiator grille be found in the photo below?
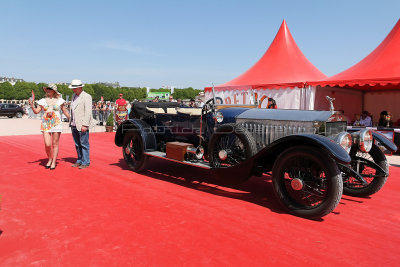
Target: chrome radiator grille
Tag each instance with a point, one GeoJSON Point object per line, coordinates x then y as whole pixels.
{"type": "Point", "coordinates": [265, 132]}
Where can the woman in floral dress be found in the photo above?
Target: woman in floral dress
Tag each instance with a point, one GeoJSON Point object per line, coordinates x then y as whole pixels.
{"type": "Point", "coordinates": [51, 125]}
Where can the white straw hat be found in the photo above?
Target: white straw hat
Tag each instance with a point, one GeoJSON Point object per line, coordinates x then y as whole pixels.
{"type": "Point", "coordinates": [53, 87]}
{"type": "Point", "coordinates": [76, 84]}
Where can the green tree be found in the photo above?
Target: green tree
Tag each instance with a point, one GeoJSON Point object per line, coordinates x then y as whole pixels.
{"type": "Point", "coordinates": [23, 90]}
{"type": "Point", "coordinates": [6, 91]}
{"type": "Point", "coordinates": [186, 93]}
{"type": "Point", "coordinates": [39, 93]}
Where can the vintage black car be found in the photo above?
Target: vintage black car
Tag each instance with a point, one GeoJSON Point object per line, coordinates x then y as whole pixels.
{"type": "Point", "coordinates": [11, 110]}
{"type": "Point", "coordinates": [310, 155]}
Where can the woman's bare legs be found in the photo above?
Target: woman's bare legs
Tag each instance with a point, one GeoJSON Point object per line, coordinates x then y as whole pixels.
{"type": "Point", "coordinates": [47, 147]}
{"type": "Point", "coordinates": [55, 141]}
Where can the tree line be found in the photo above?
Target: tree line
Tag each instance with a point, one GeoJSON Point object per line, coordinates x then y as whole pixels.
{"type": "Point", "coordinates": [23, 90]}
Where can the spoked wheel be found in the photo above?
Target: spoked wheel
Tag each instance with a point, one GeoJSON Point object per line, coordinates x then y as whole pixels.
{"type": "Point", "coordinates": [366, 164]}
{"type": "Point", "coordinates": [133, 151]}
{"type": "Point", "coordinates": [18, 115]}
{"type": "Point", "coordinates": [230, 145]}
{"type": "Point", "coordinates": [307, 182]}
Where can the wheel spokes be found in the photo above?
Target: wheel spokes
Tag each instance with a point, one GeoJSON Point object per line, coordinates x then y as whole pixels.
{"type": "Point", "coordinates": [313, 179]}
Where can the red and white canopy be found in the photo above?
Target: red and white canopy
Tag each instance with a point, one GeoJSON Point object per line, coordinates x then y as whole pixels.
{"type": "Point", "coordinates": [379, 70]}
{"type": "Point", "coordinates": [282, 66]}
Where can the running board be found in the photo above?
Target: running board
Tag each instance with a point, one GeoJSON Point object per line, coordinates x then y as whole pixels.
{"type": "Point", "coordinates": [162, 155]}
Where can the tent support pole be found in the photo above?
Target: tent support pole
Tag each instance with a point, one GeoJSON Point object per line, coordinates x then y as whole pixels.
{"type": "Point", "coordinates": [362, 100]}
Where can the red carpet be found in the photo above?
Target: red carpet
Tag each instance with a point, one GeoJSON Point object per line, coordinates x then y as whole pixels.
{"type": "Point", "coordinates": [172, 215]}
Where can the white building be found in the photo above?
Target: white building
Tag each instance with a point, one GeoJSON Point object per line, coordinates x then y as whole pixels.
{"type": "Point", "coordinates": [12, 80]}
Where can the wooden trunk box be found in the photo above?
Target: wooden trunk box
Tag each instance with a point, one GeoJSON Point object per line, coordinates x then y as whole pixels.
{"type": "Point", "coordinates": [177, 150]}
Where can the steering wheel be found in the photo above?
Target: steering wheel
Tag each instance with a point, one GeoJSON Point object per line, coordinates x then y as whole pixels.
{"type": "Point", "coordinates": [209, 103]}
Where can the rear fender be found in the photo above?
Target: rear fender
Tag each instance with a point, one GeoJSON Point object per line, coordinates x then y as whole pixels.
{"type": "Point", "coordinates": [145, 130]}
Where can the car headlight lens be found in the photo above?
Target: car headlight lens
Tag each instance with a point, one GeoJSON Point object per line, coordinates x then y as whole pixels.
{"type": "Point", "coordinates": [344, 140]}
{"type": "Point", "coordinates": [363, 139]}
{"type": "Point", "coordinates": [368, 140]}
{"type": "Point", "coordinates": [219, 117]}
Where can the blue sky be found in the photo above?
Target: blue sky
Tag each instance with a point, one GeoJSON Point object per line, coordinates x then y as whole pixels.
{"type": "Point", "coordinates": [180, 43]}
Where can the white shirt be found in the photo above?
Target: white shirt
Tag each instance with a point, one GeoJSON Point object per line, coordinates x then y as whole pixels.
{"type": "Point", "coordinates": [366, 122]}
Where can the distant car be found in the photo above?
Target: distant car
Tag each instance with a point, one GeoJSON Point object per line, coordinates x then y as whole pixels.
{"type": "Point", "coordinates": [11, 110]}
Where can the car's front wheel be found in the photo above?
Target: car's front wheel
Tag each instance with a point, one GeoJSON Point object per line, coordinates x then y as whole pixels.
{"type": "Point", "coordinates": [133, 151]}
{"type": "Point", "coordinates": [18, 115]}
{"type": "Point", "coordinates": [307, 182]}
{"type": "Point", "coordinates": [366, 164]}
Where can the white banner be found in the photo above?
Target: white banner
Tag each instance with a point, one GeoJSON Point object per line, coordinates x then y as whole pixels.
{"type": "Point", "coordinates": [285, 98]}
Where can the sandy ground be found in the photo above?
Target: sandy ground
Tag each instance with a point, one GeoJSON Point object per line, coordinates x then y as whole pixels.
{"type": "Point", "coordinates": [25, 126]}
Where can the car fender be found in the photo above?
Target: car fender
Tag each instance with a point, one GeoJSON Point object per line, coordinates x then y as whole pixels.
{"type": "Point", "coordinates": [272, 151]}
{"type": "Point", "coordinates": [384, 141]}
{"type": "Point", "coordinates": [146, 132]}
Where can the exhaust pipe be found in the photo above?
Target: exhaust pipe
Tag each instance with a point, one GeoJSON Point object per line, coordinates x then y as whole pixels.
{"type": "Point", "coordinates": [198, 152]}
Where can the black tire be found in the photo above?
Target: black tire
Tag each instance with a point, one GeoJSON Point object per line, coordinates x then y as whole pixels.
{"type": "Point", "coordinates": [10, 116]}
{"type": "Point", "coordinates": [234, 139]}
{"type": "Point", "coordinates": [18, 115]}
{"type": "Point", "coordinates": [353, 187]}
{"type": "Point", "coordinates": [133, 151]}
{"type": "Point", "coordinates": [316, 176]}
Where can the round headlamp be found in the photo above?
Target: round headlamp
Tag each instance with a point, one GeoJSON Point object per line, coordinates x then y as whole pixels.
{"type": "Point", "coordinates": [344, 140]}
{"type": "Point", "coordinates": [219, 117]}
{"type": "Point", "coordinates": [363, 139]}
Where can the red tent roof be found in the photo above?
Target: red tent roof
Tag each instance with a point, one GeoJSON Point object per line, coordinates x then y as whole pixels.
{"type": "Point", "coordinates": [380, 69]}
{"type": "Point", "coordinates": [282, 65]}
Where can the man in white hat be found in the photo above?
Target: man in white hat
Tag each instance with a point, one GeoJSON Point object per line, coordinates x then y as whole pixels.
{"type": "Point", "coordinates": [81, 120]}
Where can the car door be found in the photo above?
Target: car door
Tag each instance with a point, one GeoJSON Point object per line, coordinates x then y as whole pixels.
{"type": "Point", "coordinates": [12, 109]}
{"type": "Point", "coordinates": [5, 110]}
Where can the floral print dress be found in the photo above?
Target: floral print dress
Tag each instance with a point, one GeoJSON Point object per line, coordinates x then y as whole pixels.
{"type": "Point", "coordinates": [51, 119]}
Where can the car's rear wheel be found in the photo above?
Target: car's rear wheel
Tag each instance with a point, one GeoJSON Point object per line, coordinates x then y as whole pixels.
{"type": "Point", "coordinates": [307, 182]}
{"type": "Point", "coordinates": [230, 145]}
{"type": "Point", "coordinates": [133, 151]}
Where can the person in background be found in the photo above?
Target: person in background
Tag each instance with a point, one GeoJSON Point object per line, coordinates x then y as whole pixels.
{"type": "Point", "coordinates": [192, 103]}
{"type": "Point", "coordinates": [51, 126]}
{"type": "Point", "coordinates": [179, 101]}
{"type": "Point", "coordinates": [171, 99]}
{"type": "Point", "coordinates": [81, 120]}
{"type": "Point", "coordinates": [156, 99]}
{"type": "Point", "coordinates": [271, 104]}
{"type": "Point", "coordinates": [365, 119]}
{"type": "Point", "coordinates": [102, 110]}
{"type": "Point", "coordinates": [200, 103]}
{"type": "Point", "coordinates": [94, 111]}
{"type": "Point", "coordinates": [120, 101]}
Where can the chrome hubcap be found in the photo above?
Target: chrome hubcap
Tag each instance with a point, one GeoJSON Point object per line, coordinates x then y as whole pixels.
{"type": "Point", "coordinates": [223, 155]}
